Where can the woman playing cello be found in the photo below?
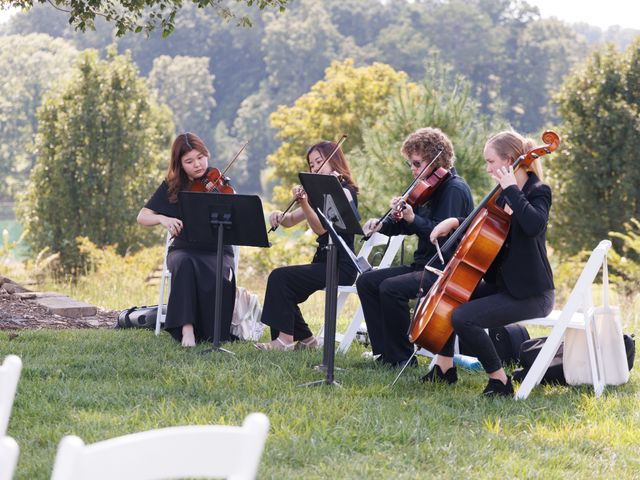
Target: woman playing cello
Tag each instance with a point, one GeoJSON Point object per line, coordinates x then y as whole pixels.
{"type": "Point", "coordinates": [519, 283]}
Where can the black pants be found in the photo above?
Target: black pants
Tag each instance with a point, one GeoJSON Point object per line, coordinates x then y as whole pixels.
{"type": "Point", "coordinates": [489, 308]}
{"type": "Point", "coordinates": [193, 290]}
{"type": "Point", "coordinates": [289, 286]}
{"type": "Point", "coordinates": [384, 295]}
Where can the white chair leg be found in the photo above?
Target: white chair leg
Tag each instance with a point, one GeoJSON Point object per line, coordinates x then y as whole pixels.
{"type": "Point", "coordinates": [351, 331]}
{"type": "Point", "coordinates": [595, 358]}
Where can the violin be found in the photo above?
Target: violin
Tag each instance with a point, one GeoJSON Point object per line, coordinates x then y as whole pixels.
{"type": "Point", "coordinates": [214, 180]}
{"type": "Point", "coordinates": [485, 231]}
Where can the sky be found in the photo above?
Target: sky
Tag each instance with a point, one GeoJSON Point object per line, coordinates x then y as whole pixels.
{"type": "Point", "coordinates": [603, 14]}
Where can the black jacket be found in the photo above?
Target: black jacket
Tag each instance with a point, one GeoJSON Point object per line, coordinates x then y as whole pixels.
{"type": "Point", "coordinates": [522, 267]}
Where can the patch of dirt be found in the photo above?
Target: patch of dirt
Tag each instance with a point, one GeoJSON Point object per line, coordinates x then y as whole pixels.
{"type": "Point", "coordinates": [20, 314]}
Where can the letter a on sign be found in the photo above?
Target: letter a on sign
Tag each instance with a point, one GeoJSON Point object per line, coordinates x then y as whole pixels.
{"type": "Point", "coordinates": [331, 212]}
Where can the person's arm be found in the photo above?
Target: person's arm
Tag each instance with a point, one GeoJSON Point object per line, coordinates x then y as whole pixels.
{"type": "Point", "coordinates": [149, 218]}
{"type": "Point", "coordinates": [288, 219]}
{"type": "Point", "coordinates": [532, 213]}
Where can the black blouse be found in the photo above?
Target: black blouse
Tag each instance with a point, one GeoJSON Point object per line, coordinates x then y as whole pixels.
{"type": "Point", "coordinates": [159, 203]}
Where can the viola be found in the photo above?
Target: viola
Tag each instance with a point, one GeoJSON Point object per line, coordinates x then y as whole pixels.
{"type": "Point", "coordinates": [485, 231]}
{"type": "Point", "coordinates": [212, 181]}
{"type": "Point", "coordinates": [422, 190]}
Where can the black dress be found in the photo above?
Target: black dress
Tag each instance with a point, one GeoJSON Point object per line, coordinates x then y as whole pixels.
{"type": "Point", "coordinates": [193, 279]}
{"type": "Point", "coordinates": [289, 286]}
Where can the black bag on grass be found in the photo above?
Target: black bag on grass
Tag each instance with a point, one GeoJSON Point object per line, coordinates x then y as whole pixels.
{"type": "Point", "coordinates": [529, 351]}
{"type": "Point", "coordinates": [138, 317]}
{"type": "Point", "coordinates": [508, 340]}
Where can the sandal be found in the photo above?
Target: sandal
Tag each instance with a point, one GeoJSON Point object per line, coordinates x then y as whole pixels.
{"type": "Point", "coordinates": [277, 344]}
{"type": "Point", "coordinates": [309, 342]}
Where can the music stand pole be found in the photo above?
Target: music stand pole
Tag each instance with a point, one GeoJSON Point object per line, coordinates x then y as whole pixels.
{"type": "Point", "coordinates": [219, 221]}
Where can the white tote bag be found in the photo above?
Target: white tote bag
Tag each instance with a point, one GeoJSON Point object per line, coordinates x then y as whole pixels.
{"type": "Point", "coordinates": [245, 323]}
{"type": "Point", "coordinates": [610, 344]}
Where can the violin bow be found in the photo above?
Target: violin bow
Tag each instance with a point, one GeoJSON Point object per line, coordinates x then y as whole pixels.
{"type": "Point", "coordinates": [338, 144]}
{"type": "Point", "coordinates": [234, 159]}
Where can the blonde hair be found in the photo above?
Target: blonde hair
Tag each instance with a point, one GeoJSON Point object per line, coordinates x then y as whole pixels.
{"type": "Point", "coordinates": [509, 145]}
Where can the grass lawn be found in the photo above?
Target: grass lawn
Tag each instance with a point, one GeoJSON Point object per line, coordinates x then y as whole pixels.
{"type": "Point", "coordinates": [103, 383]}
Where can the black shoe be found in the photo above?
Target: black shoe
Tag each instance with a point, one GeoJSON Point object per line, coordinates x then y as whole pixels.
{"type": "Point", "coordinates": [496, 388]}
{"type": "Point", "coordinates": [436, 375]}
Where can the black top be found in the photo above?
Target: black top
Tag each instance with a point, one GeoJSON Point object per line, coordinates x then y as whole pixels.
{"type": "Point", "coordinates": [159, 203]}
{"type": "Point", "coordinates": [451, 199]}
{"type": "Point", "coordinates": [321, 253]}
{"type": "Point", "coordinates": [522, 267]}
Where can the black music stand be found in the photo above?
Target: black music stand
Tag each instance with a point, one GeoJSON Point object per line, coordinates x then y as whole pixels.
{"type": "Point", "coordinates": [228, 220]}
{"type": "Point", "coordinates": [338, 215]}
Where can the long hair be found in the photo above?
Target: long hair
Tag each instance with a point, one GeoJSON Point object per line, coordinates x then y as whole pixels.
{"type": "Point", "coordinates": [338, 161]}
{"type": "Point", "coordinates": [176, 176]}
{"type": "Point", "coordinates": [427, 143]}
{"type": "Point", "coordinates": [509, 145]}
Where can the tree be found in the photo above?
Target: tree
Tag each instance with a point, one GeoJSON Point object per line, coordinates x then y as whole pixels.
{"type": "Point", "coordinates": [29, 65]}
{"type": "Point", "coordinates": [442, 100]}
{"type": "Point", "coordinates": [186, 86]}
{"type": "Point", "coordinates": [596, 169]}
{"type": "Point", "coordinates": [139, 15]}
{"type": "Point", "coordinates": [101, 149]}
{"type": "Point", "coordinates": [345, 101]}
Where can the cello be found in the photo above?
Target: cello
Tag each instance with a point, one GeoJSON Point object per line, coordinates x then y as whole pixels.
{"type": "Point", "coordinates": [485, 231]}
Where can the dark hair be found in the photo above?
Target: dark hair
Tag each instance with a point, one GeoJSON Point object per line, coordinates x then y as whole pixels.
{"type": "Point", "coordinates": [427, 143]}
{"type": "Point", "coordinates": [176, 176]}
{"type": "Point", "coordinates": [338, 161]}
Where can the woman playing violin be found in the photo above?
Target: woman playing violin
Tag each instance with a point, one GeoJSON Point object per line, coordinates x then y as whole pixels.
{"type": "Point", "coordinates": [385, 294]}
{"type": "Point", "coordinates": [287, 287]}
{"type": "Point", "coordinates": [190, 309]}
{"type": "Point", "coordinates": [519, 283]}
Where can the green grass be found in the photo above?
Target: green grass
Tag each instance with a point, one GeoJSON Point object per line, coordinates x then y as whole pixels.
{"type": "Point", "coordinates": [103, 383]}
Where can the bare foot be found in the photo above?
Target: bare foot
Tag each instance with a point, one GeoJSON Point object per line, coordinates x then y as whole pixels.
{"type": "Point", "coordinates": [188, 337]}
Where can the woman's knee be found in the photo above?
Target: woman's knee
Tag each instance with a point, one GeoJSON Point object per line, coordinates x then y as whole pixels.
{"type": "Point", "coordinates": [460, 321]}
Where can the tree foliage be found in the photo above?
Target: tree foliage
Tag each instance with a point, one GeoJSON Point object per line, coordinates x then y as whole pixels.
{"type": "Point", "coordinates": [596, 170]}
{"type": "Point", "coordinates": [441, 100]}
{"type": "Point", "coordinates": [186, 86]}
{"type": "Point", "coordinates": [101, 150]}
{"type": "Point", "coordinates": [29, 65]}
{"type": "Point", "coordinates": [348, 99]}
{"type": "Point", "coordinates": [140, 15]}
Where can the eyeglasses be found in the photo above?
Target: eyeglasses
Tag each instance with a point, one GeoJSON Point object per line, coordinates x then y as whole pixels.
{"type": "Point", "coordinates": [415, 164]}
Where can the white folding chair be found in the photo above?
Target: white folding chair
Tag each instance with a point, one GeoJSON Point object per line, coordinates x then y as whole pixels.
{"type": "Point", "coordinates": [165, 281]}
{"type": "Point", "coordinates": [8, 457]}
{"type": "Point", "coordinates": [577, 313]}
{"type": "Point", "coordinates": [174, 452]}
{"type": "Point", "coordinates": [393, 246]}
{"type": "Point", "coordinates": [9, 376]}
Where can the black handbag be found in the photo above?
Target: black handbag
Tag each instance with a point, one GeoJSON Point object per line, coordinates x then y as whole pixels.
{"type": "Point", "coordinates": [507, 341]}
{"type": "Point", "coordinates": [138, 317]}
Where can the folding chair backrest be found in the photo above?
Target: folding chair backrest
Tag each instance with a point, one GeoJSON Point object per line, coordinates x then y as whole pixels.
{"type": "Point", "coordinates": [9, 376]}
{"type": "Point", "coordinates": [8, 457]}
{"type": "Point", "coordinates": [175, 452]}
{"type": "Point", "coordinates": [392, 250]}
